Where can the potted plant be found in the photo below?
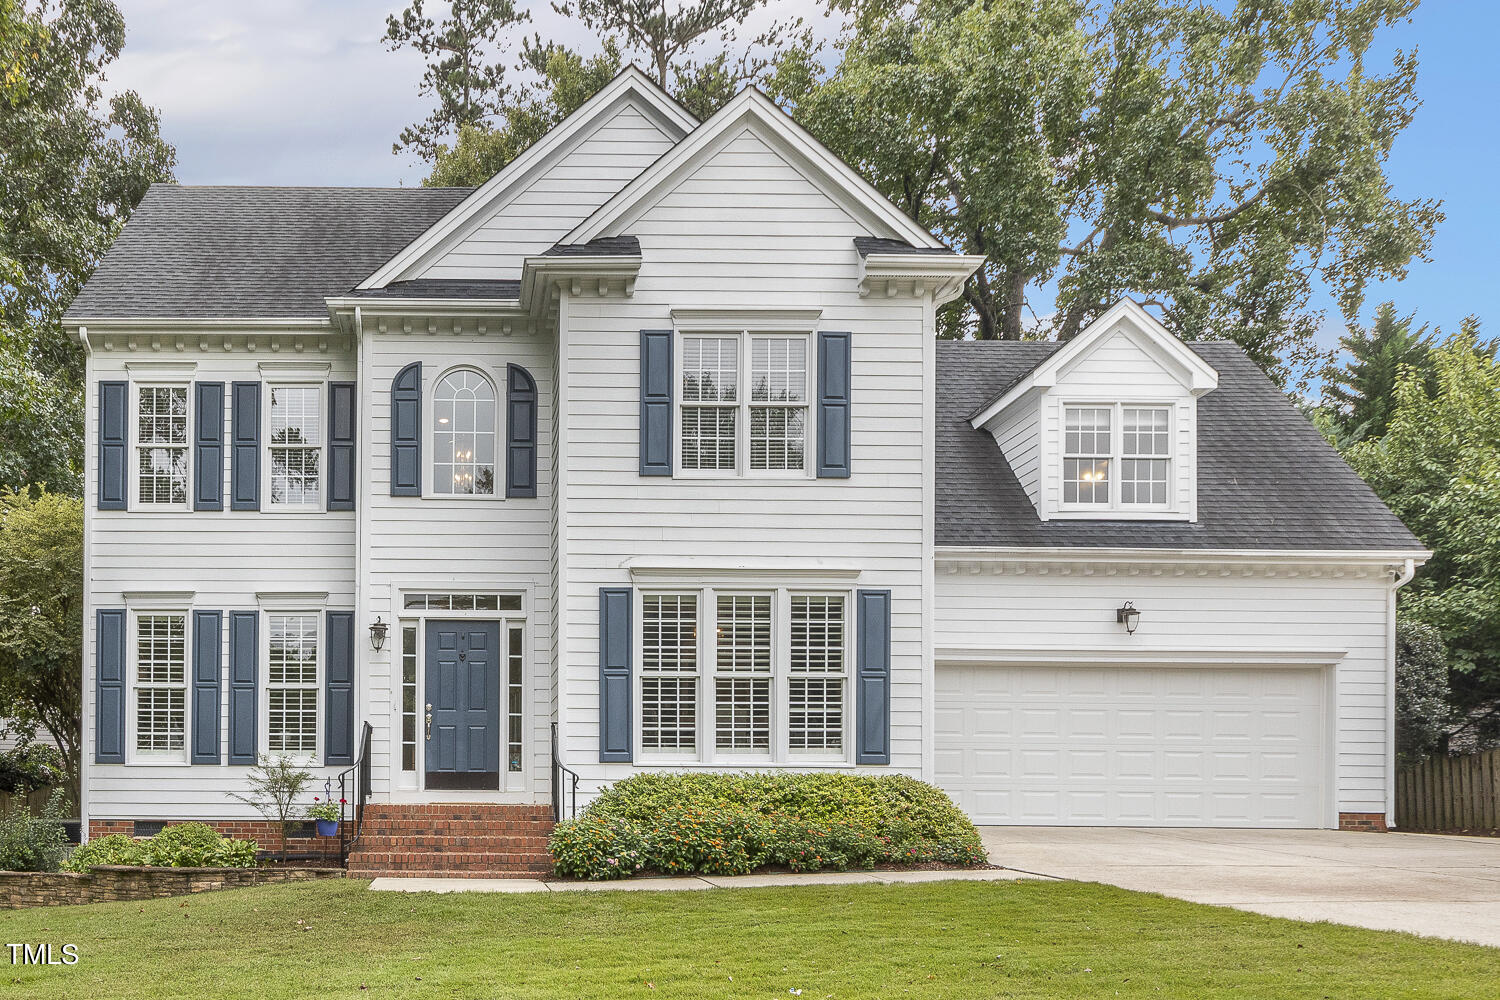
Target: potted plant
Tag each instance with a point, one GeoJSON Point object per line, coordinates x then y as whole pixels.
{"type": "Point", "coordinates": [327, 815]}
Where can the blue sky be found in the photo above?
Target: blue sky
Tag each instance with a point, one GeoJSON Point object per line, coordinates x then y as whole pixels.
{"type": "Point", "coordinates": [287, 92]}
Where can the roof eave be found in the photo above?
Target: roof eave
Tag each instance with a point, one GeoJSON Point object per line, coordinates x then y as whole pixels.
{"type": "Point", "coordinates": [1147, 554]}
{"type": "Point", "coordinates": [947, 273]}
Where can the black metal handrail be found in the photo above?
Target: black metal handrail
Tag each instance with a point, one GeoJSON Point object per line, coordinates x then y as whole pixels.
{"type": "Point", "coordinates": [558, 773]}
{"type": "Point", "coordinates": [356, 776]}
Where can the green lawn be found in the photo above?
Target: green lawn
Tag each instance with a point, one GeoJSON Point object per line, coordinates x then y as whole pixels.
{"type": "Point", "coordinates": [955, 939]}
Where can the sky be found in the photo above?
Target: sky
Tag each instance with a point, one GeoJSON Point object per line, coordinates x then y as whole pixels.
{"type": "Point", "coordinates": [282, 92]}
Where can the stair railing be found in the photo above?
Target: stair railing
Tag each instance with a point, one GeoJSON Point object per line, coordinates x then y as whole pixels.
{"type": "Point", "coordinates": [559, 773]}
{"type": "Point", "coordinates": [355, 778]}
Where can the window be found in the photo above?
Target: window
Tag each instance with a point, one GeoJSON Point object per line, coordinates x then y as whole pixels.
{"type": "Point", "coordinates": [669, 672]}
{"type": "Point", "coordinates": [292, 684]}
{"type": "Point", "coordinates": [161, 436]}
{"type": "Point", "coordinates": [515, 661]}
{"type": "Point", "coordinates": [463, 435]}
{"type": "Point", "coordinates": [732, 413]}
{"type": "Point", "coordinates": [295, 443]}
{"type": "Point", "coordinates": [815, 714]}
{"type": "Point", "coordinates": [462, 602]}
{"type": "Point", "coordinates": [409, 698]}
{"type": "Point", "coordinates": [160, 683]}
{"type": "Point", "coordinates": [742, 667]}
{"type": "Point", "coordinates": [1096, 457]}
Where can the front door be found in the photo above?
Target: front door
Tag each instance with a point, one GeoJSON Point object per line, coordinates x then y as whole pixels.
{"type": "Point", "coordinates": [463, 704]}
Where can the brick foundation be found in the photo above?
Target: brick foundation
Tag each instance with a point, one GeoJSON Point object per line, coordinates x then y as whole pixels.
{"type": "Point", "coordinates": [1363, 822]}
{"type": "Point", "coordinates": [265, 833]}
{"type": "Point", "coordinates": [19, 890]}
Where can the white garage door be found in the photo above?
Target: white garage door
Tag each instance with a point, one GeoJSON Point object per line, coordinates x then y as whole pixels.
{"type": "Point", "coordinates": [1133, 746]}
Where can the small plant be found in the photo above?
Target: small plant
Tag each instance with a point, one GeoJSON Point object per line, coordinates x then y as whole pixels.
{"type": "Point", "coordinates": [33, 843]}
{"type": "Point", "coordinates": [328, 812]}
{"type": "Point", "coordinates": [116, 849]}
{"type": "Point", "coordinates": [275, 785]}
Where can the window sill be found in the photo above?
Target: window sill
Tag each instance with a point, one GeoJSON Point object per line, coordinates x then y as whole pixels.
{"type": "Point", "coordinates": [1118, 514]}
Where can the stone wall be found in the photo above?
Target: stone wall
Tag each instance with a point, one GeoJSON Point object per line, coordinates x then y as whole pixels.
{"type": "Point", "coordinates": [106, 882]}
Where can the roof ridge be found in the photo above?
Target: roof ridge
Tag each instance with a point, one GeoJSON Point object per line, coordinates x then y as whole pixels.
{"type": "Point", "coordinates": [305, 187]}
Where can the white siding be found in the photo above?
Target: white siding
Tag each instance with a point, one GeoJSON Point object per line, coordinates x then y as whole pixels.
{"type": "Point", "coordinates": [1019, 436]}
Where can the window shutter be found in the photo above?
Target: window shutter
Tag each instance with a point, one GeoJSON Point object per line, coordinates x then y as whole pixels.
{"type": "Point", "coordinates": [208, 446]}
{"type": "Point", "coordinates": [872, 678]}
{"type": "Point", "coordinates": [338, 740]}
{"type": "Point", "coordinates": [114, 435]}
{"type": "Point", "coordinates": [244, 452]}
{"type": "Point", "coordinates": [656, 403]}
{"type": "Point", "coordinates": [833, 405]}
{"type": "Point", "coordinates": [244, 672]}
{"type": "Point", "coordinates": [406, 432]}
{"type": "Point", "coordinates": [207, 643]}
{"type": "Point", "coordinates": [109, 686]}
{"type": "Point", "coordinates": [614, 673]}
{"type": "Point", "coordinates": [341, 414]}
{"type": "Point", "coordinates": [520, 453]}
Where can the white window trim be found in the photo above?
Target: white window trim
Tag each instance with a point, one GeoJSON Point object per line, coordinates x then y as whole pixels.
{"type": "Point", "coordinates": [263, 723]}
{"type": "Point", "coordinates": [780, 755]}
{"type": "Point", "coordinates": [1115, 509]}
{"type": "Point", "coordinates": [429, 447]}
{"type": "Point", "coordinates": [744, 331]}
{"type": "Point", "coordinates": [160, 381]}
{"type": "Point", "coordinates": [321, 447]}
{"type": "Point", "coordinates": [132, 658]}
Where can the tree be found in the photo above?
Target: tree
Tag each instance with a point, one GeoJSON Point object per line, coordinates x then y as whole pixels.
{"type": "Point", "coordinates": [1438, 468]}
{"type": "Point", "coordinates": [462, 72]}
{"type": "Point", "coordinates": [275, 784]}
{"type": "Point", "coordinates": [1215, 159]}
{"type": "Point", "coordinates": [1422, 692]}
{"type": "Point", "coordinates": [1362, 389]}
{"type": "Point", "coordinates": [41, 616]}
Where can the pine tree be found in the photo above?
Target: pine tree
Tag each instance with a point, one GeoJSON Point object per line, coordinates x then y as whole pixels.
{"type": "Point", "coordinates": [1361, 389]}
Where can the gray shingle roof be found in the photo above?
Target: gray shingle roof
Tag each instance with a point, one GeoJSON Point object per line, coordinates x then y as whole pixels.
{"type": "Point", "coordinates": [604, 246]}
{"type": "Point", "coordinates": [867, 245]}
{"type": "Point", "coordinates": [1266, 477]}
{"type": "Point", "coordinates": [443, 288]}
{"type": "Point", "coordinates": [222, 252]}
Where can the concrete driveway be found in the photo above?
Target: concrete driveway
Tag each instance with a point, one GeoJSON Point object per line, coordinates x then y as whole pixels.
{"type": "Point", "coordinates": [1433, 885]}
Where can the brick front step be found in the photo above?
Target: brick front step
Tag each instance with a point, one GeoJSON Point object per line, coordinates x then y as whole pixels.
{"type": "Point", "coordinates": [458, 840]}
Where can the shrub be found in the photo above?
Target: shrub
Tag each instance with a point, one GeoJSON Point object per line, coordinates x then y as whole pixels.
{"type": "Point", "coordinates": [1423, 695]}
{"type": "Point", "coordinates": [185, 845]}
{"type": "Point", "coordinates": [726, 824]}
{"type": "Point", "coordinates": [116, 849]}
{"type": "Point", "coordinates": [33, 843]}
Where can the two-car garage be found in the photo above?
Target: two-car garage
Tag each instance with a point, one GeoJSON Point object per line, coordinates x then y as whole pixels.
{"type": "Point", "coordinates": [1134, 744]}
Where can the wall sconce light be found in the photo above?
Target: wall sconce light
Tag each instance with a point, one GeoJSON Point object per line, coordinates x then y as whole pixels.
{"type": "Point", "coordinates": [377, 634]}
{"type": "Point", "coordinates": [1129, 617]}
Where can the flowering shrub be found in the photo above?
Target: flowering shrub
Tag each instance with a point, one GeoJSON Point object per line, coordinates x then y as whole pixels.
{"type": "Point", "coordinates": [729, 824]}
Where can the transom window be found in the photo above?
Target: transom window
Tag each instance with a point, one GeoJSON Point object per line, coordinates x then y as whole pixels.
{"type": "Point", "coordinates": [733, 414]}
{"type": "Point", "coordinates": [463, 434]}
{"type": "Point", "coordinates": [292, 684]}
{"type": "Point", "coordinates": [160, 683]}
{"type": "Point", "coordinates": [161, 436]}
{"type": "Point", "coordinates": [1116, 456]}
{"type": "Point", "coordinates": [295, 444]}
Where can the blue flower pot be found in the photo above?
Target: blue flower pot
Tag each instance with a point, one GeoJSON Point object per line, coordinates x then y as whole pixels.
{"type": "Point", "coordinates": [328, 827]}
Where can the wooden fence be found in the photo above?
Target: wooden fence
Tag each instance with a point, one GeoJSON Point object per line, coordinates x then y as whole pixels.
{"type": "Point", "coordinates": [1450, 793]}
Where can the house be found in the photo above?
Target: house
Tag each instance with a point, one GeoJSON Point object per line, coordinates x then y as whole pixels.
{"type": "Point", "coordinates": [644, 454]}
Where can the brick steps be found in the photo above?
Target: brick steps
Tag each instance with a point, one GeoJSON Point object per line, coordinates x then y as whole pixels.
{"type": "Point", "coordinates": [459, 840]}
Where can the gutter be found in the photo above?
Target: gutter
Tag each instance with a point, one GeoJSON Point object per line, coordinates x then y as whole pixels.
{"type": "Point", "coordinates": [1408, 571]}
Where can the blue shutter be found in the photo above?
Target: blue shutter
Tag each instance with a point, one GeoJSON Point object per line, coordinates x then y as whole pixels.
{"type": "Point", "coordinates": [341, 453]}
{"type": "Point", "coordinates": [406, 432]}
{"type": "Point", "coordinates": [338, 740]}
{"type": "Point", "coordinates": [208, 446]}
{"type": "Point", "coordinates": [109, 686]}
{"type": "Point", "coordinates": [872, 678]}
{"type": "Point", "coordinates": [244, 672]}
{"type": "Point", "coordinates": [656, 403]}
{"type": "Point", "coordinates": [244, 451]}
{"type": "Point", "coordinates": [614, 673]}
{"type": "Point", "coordinates": [833, 405]}
{"type": "Point", "coordinates": [207, 644]}
{"type": "Point", "coordinates": [114, 435]}
{"type": "Point", "coordinates": [520, 452]}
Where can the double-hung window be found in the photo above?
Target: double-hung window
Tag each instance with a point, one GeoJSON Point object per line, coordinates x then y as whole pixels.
{"type": "Point", "coordinates": [161, 439]}
{"type": "Point", "coordinates": [744, 403]}
{"type": "Point", "coordinates": [742, 674]}
{"type": "Point", "coordinates": [1116, 457]}
{"type": "Point", "coordinates": [292, 683]}
{"type": "Point", "coordinates": [160, 683]}
{"type": "Point", "coordinates": [463, 434]}
{"type": "Point", "coordinates": [669, 673]}
{"type": "Point", "coordinates": [815, 695]}
{"type": "Point", "coordinates": [295, 417]}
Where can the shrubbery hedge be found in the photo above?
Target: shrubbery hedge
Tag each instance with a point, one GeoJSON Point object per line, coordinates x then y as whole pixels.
{"type": "Point", "coordinates": [185, 845]}
{"type": "Point", "coordinates": [730, 824]}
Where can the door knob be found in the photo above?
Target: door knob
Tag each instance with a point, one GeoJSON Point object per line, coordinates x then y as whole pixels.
{"type": "Point", "coordinates": [429, 720]}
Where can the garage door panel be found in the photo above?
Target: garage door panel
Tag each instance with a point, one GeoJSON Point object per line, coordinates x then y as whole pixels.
{"type": "Point", "coordinates": [1132, 745]}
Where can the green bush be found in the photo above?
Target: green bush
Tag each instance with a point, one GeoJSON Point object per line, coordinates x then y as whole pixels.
{"type": "Point", "coordinates": [116, 849]}
{"type": "Point", "coordinates": [728, 824]}
{"type": "Point", "coordinates": [33, 843]}
{"type": "Point", "coordinates": [185, 845]}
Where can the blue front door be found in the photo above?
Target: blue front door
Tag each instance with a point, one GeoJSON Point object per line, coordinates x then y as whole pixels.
{"type": "Point", "coordinates": [463, 704]}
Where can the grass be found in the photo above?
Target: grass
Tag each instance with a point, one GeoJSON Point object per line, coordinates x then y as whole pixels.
{"type": "Point", "coordinates": [936, 940]}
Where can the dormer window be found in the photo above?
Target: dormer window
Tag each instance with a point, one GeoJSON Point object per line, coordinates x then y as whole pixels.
{"type": "Point", "coordinates": [1103, 468]}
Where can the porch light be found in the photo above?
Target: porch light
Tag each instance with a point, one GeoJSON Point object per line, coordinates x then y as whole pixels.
{"type": "Point", "coordinates": [378, 630]}
{"type": "Point", "coordinates": [1126, 615]}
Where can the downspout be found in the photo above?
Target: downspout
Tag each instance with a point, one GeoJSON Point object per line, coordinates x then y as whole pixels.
{"type": "Point", "coordinates": [1408, 570]}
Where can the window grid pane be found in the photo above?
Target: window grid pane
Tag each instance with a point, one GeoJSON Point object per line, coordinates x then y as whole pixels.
{"type": "Point", "coordinates": [409, 698]}
{"type": "Point", "coordinates": [161, 439]}
{"type": "Point", "coordinates": [669, 713]}
{"type": "Point", "coordinates": [669, 633]}
{"type": "Point", "coordinates": [515, 660]}
{"type": "Point", "coordinates": [815, 717]}
{"type": "Point", "coordinates": [1147, 449]}
{"type": "Point", "coordinates": [777, 437]}
{"type": "Point", "coordinates": [160, 719]}
{"type": "Point", "coordinates": [161, 683]}
{"type": "Point", "coordinates": [817, 634]}
{"type": "Point", "coordinates": [710, 369]}
{"type": "Point", "coordinates": [778, 370]}
{"type": "Point", "coordinates": [1086, 450]}
{"type": "Point", "coordinates": [295, 422]}
{"type": "Point", "coordinates": [292, 720]}
{"type": "Point", "coordinates": [708, 437]}
{"type": "Point", "coordinates": [463, 438]}
{"type": "Point", "coordinates": [744, 636]}
{"type": "Point", "coordinates": [292, 683]}
{"type": "Point", "coordinates": [742, 713]}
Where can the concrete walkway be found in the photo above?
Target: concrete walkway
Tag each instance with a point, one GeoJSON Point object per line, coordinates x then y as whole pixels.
{"type": "Point", "coordinates": [1433, 885]}
{"type": "Point", "coordinates": [691, 882]}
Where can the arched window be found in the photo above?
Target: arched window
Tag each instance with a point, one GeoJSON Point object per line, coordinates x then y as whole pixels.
{"type": "Point", "coordinates": [463, 434]}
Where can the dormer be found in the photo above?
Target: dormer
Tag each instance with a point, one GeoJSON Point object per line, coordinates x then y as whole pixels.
{"type": "Point", "coordinates": [1105, 426]}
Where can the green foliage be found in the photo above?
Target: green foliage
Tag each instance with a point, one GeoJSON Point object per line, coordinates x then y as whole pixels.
{"type": "Point", "coordinates": [729, 824]}
{"type": "Point", "coordinates": [41, 428]}
{"type": "Point", "coordinates": [1362, 390]}
{"type": "Point", "coordinates": [275, 783]}
{"type": "Point", "coordinates": [115, 849]}
{"type": "Point", "coordinates": [33, 843]}
{"type": "Point", "coordinates": [326, 811]}
{"type": "Point", "coordinates": [29, 766]}
{"type": "Point", "coordinates": [1422, 692]}
{"type": "Point", "coordinates": [183, 845]}
{"type": "Point", "coordinates": [41, 616]}
{"type": "Point", "coordinates": [1220, 161]}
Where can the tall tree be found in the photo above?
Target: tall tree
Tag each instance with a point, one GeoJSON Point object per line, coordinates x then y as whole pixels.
{"type": "Point", "coordinates": [1218, 160]}
{"type": "Point", "coordinates": [464, 73]}
{"type": "Point", "coordinates": [1362, 389]}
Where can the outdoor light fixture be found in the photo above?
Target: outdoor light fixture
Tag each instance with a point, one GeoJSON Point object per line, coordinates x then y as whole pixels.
{"type": "Point", "coordinates": [377, 634]}
{"type": "Point", "coordinates": [1126, 615]}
